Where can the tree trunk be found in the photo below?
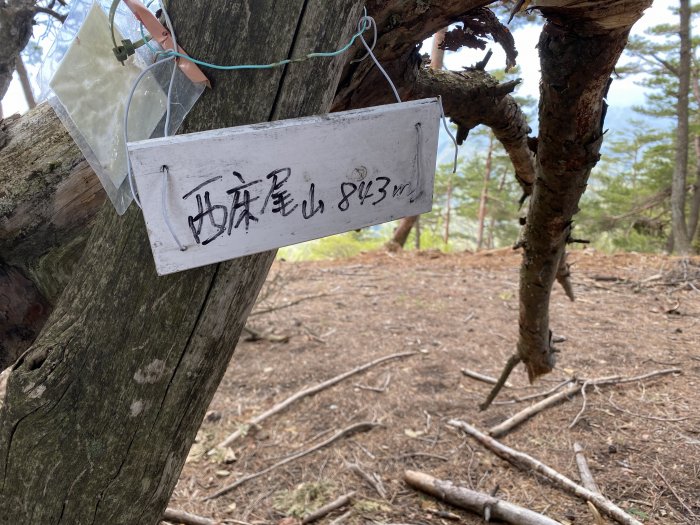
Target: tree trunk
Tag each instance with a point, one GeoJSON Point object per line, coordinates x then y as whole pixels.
{"type": "Point", "coordinates": [110, 397]}
{"type": "Point", "coordinates": [484, 196]}
{"type": "Point", "coordinates": [680, 170]}
{"type": "Point", "coordinates": [50, 196]}
{"type": "Point", "coordinates": [24, 82]}
{"type": "Point", "coordinates": [579, 46]}
{"type": "Point", "coordinates": [448, 209]}
{"type": "Point", "coordinates": [402, 232]}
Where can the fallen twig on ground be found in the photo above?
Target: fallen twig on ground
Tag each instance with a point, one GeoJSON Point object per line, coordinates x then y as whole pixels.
{"type": "Point", "coordinates": [254, 335]}
{"type": "Point", "coordinates": [287, 305]}
{"type": "Point", "coordinates": [526, 462]}
{"type": "Point", "coordinates": [675, 494]}
{"type": "Point", "coordinates": [304, 393]}
{"type": "Point", "coordinates": [645, 416]}
{"type": "Point", "coordinates": [483, 377]}
{"type": "Point", "coordinates": [380, 389]}
{"type": "Point", "coordinates": [534, 396]}
{"type": "Point", "coordinates": [587, 480]}
{"type": "Point", "coordinates": [185, 518]}
{"type": "Point", "coordinates": [352, 429]}
{"type": "Point", "coordinates": [327, 509]}
{"type": "Point", "coordinates": [515, 420]}
{"type": "Point", "coordinates": [372, 479]}
{"type": "Point", "coordinates": [525, 414]}
{"type": "Point", "coordinates": [465, 498]}
{"type": "Point", "coordinates": [444, 514]}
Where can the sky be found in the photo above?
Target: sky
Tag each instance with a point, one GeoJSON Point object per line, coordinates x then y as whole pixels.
{"type": "Point", "coordinates": [623, 92]}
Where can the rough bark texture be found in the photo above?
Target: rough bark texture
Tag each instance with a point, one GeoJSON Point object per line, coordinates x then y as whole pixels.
{"type": "Point", "coordinates": [579, 47]}
{"type": "Point", "coordinates": [49, 196]}
{"type": "Point", "coordinates": [110, 396]}
{"type": "Point", "coordinates": [681, 239]}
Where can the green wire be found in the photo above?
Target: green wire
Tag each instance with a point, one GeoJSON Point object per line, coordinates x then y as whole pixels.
{"type": "Point", "coordinates": [365, 26]}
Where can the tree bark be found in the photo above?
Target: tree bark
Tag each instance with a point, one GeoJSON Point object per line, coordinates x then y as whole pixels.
{"type": "Point", "coordinates": [680, 171]}
{"type": "Point", "coordinates": [109, 398]}
{"type": "Point", "coordinates": [49, 198]}
{"type": "Point", "coordinates": [579, 47]}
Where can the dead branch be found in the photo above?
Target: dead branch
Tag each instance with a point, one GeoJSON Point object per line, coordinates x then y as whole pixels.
{"type": "Point", "coordinates": [185, 518]}
{"type": "Point", "coordinates": [352, 429]}
{"type": "Point", "coordinates": [527, 463]}
{"type": "Point", "coordinates": [587, 481]}
{"type": "Point", "coordinates": [483, 378]}
{"type": "Point", "coordinates": [275, 308]}
{"type": "Point", "coordinates": [515, 420]}
{"type": "Point", "coordinates": [474, 501]}
{"type": "Point", "coordinates": [254, 335]}
{"type": "Point", "coordinates": [583, 405]}
{"type": "Point", "coordinates": [378, 389]}
{"type": "Point", "coordinates": [645, 416]}
{"type": "Point", "coordinates": [507, 369]}
{"type": "Point", "coordinates": [675, 494]}
{"type": "Point", "coordinates": [341, 502]}
{"type": "Point", "coordinates": [534, 396]}
{"type": "Point", "coordinates": [444, 514]}
{"type": "Point", "coordinates": [525, 414]}
{"type": "Point", "coordinates": [307, 392]}
{"type": "Point", "coordinates": [372, 479]}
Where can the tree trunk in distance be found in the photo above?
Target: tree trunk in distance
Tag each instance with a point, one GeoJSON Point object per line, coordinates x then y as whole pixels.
{"type": "Point", "coordinates": [680, 170]}
{"type": "Point", "coordinates": [110, 397]}
{"type": "Point", "coordinates": [484, 196]}
{"type": "Point", "coordinates": [448, 209]}
{"type": "Point", "coordinates": [403, 230]}
{"type": "Point", "coordinates": [24, 81]}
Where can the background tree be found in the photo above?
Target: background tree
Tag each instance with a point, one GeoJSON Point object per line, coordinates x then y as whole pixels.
{"type": "Point", "coordinates": [667, 56]}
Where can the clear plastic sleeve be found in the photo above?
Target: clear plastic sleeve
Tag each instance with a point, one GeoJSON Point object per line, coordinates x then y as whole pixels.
{"type": "Point", "coordinates": [89, 88]}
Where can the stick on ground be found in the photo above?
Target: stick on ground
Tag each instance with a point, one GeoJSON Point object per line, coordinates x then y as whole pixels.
{"type": "Point", "coordinates": [304, 393]}
{"type": "Point", "coordinates": [327, 509]}
{"type": "Point", "coordinates": [352, 429]}
{"type": "Point", "coordinates": [527, 413]}
{"type": "Point", "coordinates": [515, 420]}
{"type": "Point", "coordinates": [483, 377]}
{"type": "Point", "coordinates": [185, 518]}
{"type": "Point", "coordinates": [526, 462]}
{"type": "Point", "coordinates": [475, 501]}
{"type": "Point", "coordinates": [587, 480]}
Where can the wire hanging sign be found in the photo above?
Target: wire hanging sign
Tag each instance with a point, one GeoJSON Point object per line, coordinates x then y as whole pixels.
{"type": "Point", "coordinates": [216, 195]}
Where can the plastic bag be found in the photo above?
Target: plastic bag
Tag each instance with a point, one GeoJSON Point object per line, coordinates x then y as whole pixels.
{"type": "Point", "coordinates": [88, 87]}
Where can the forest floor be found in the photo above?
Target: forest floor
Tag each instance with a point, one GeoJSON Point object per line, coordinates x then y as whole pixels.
{"type": "Point", "coordinates": [633, 314]}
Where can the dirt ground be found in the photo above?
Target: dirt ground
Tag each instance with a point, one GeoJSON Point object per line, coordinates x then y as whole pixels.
{"type": "Point", "coordinates": [634, 314]}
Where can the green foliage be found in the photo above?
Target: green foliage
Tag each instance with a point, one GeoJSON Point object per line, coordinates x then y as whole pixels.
{"type": "Point", "coordinates": [338, 246]}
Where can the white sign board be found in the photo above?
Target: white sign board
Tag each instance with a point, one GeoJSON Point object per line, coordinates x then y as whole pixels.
{"type": "Point", "coordinates": [236, 191]}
